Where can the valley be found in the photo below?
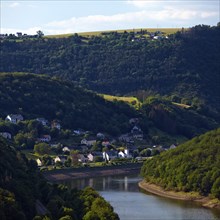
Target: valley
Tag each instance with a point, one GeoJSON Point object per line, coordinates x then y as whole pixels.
{"type": "Point", "coordinates": [100, 103]}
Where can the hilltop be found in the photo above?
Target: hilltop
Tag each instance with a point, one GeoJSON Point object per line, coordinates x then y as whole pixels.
{"type": "Point", "coordinates": [184, 65]}
{"type": "Point", "coordinates": [166, 31]}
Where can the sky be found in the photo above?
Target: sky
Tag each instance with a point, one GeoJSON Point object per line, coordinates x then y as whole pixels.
{"type": "Point", "coordinates": [62, 17]}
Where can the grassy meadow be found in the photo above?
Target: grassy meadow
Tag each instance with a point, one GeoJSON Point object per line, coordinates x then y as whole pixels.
{"type": "Point", "coordinates": [166, 31]}
{"type": "Point", "coordinates": [133, 101]}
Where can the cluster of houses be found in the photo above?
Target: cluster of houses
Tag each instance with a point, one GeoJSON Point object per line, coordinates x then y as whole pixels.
{"type": "Point", "coordinates": [85, 147]}
{"type": "Point", "coordinates": [16, 118]}
{"type": "Point", "coordinates": [157, 35]}
{"type": "Point", "coordinates": [84, 158]}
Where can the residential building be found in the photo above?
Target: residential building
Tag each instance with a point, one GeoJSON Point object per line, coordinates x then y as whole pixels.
{"type": "Point", "coordinates": [61, 159]}
{"type": "Point", "coordinates": [6, 135]}
{"type": "Point", "coordinates": [45, 138]}
{"type": "Point", "coordinates": [109, 155]}
{"type": "Point", "coordinates": [43, 121]}
{"type": "Point", "coordinates": [55, 124]}
{"type": "Point", "coordinates": [94, 155]}
{"type": "Point", "coordinates": [14, 118]}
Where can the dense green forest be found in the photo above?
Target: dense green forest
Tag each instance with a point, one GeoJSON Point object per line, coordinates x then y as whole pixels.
{"type": "Point", "coordinates": [36, 96]}
{"type": "Point", "coordinates": [192, 166]}
{"type": "Point", "coordinates": [40, 96]}
{"type": "Point", "coordinates": [186, 64]}
{"type": "Point", "coordinates": [176, 119]}
{"type": "Point", "coordinates": [25, 194]}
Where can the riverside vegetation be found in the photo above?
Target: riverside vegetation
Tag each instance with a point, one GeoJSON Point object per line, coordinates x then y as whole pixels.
{"type": "Point", "coordinates": [192, 166]}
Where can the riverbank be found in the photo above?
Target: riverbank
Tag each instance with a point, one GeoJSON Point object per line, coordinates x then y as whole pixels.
{"type": "Point", "coordinates": [86, 172]}
{"type": "Point", "coordinates": [189, 196]}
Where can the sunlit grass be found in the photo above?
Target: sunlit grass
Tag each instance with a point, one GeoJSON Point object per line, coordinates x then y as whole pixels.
{"type": "Point", "coordinates": [166, 31]}
{"type": "Point", "coordinates": [130, 100]}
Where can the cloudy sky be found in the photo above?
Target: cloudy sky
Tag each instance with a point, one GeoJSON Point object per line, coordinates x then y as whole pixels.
{"type": "Point", "coordinates": [59, 17]}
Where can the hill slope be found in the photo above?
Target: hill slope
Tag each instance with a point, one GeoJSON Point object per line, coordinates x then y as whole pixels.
{"type": "Point", "coordinates": [192, 166]}
{"type": "Point", "coordinates": [40, 96]}
{"type": "Point", "coordinates": [36, 96]}
{"type": "Point", "coordinates": [187, 64]}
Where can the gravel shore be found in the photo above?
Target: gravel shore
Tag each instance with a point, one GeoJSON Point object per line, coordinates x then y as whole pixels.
{"type": "Point", "coordinates": [154, 189]}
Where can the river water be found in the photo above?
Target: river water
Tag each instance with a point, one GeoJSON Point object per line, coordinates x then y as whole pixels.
{"type": "Point", "coordinates": [132, 204]}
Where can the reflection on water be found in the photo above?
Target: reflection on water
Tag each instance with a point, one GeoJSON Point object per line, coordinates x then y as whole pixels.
{"type": "Point", "coordinates": [132, 204]}
{"type": "Point", "coordinates": [110, 183]}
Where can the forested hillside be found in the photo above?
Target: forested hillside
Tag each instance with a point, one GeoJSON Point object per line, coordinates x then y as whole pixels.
{"type": "Point", "coordinates": [192, 166]}
{"type": "Point", "coordinates": [40, 96]}
{"type": "Point", "coordinates": [177, 119]}
{"type": "Point", "coordinates": [35, 96]}
{"type": "Point", "coordinates": [24, 194]}
{"type": "Point", "coordinates": [186, 65]}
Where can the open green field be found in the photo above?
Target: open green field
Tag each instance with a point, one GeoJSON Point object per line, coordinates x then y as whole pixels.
{"type": "Point", "coordinates": [130, 100]}
{"type": "Point", "coordinates": [58, 36]}
{"type": "Point", "coordinates": [167, 31]}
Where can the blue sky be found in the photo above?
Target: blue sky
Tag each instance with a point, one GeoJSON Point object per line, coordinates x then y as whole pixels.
{"type": "Point", "coordinates": [59, 17]}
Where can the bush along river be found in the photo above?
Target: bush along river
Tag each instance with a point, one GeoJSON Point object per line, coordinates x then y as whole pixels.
{"type": "Point", "coordinates": [131, 203]}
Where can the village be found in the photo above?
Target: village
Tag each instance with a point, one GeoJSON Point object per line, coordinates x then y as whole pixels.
{"type": "Point", "coordinates": [83, 148]}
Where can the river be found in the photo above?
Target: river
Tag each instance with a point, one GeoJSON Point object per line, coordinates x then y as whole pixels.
{"type": "Point", "coordinates": [132, 204]}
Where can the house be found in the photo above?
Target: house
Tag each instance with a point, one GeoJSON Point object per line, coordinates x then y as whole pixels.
{"type": "Point", "coordinates": [66, 149]}
{"type": "Point", "coordinates": [173, 146]}
{"type": "Point", "coordinates": [55, 124]}
{"type": "Point", "coordinates": [109, 155]}
{"type": "Point", "coordinates": [125, 138]}
{"type": "Point", "coordinates": [45, 138]}
{"type": "Point", "coordinates": [121, 154]}
{"type": "Point", "coordinates": [6, 135]}
{"type": "Point", "coordinates": [88, 141]}
{"type": "Point", "coordinates": [137, 133]}
{"type": "Point", "coordinates": [79, 132]}
{"type": "Point", "coordinates": [100, 136]}
{"type": "Point", "coordinates": [61, 159]}
{"type": "Point", "coordinates": [43, 121]}
{"type": "Point", "coordinates": [14, 118]}
{"type": "Point", "coordinates": [124, 154]}
{"type": "Point", "coordinates": [82, 158]}
{"type": "Point", "coordinates": [94, 155]}
{"type": "Point", "coordinates": [134, 121]}
{"type": "Point", "coordinates": [39, 162]}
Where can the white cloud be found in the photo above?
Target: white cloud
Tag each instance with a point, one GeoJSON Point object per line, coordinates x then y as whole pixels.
{"type": "Point", "coordinates": [97, 22]}
{"type": "Point", "coordinates": [170, 15]}
{"type": "Point", "coordinates": [127, 20]}
{"type": "Point", "coordinates": [209, 14]}
{"type": "Point", "coordinates": [14, 5]}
